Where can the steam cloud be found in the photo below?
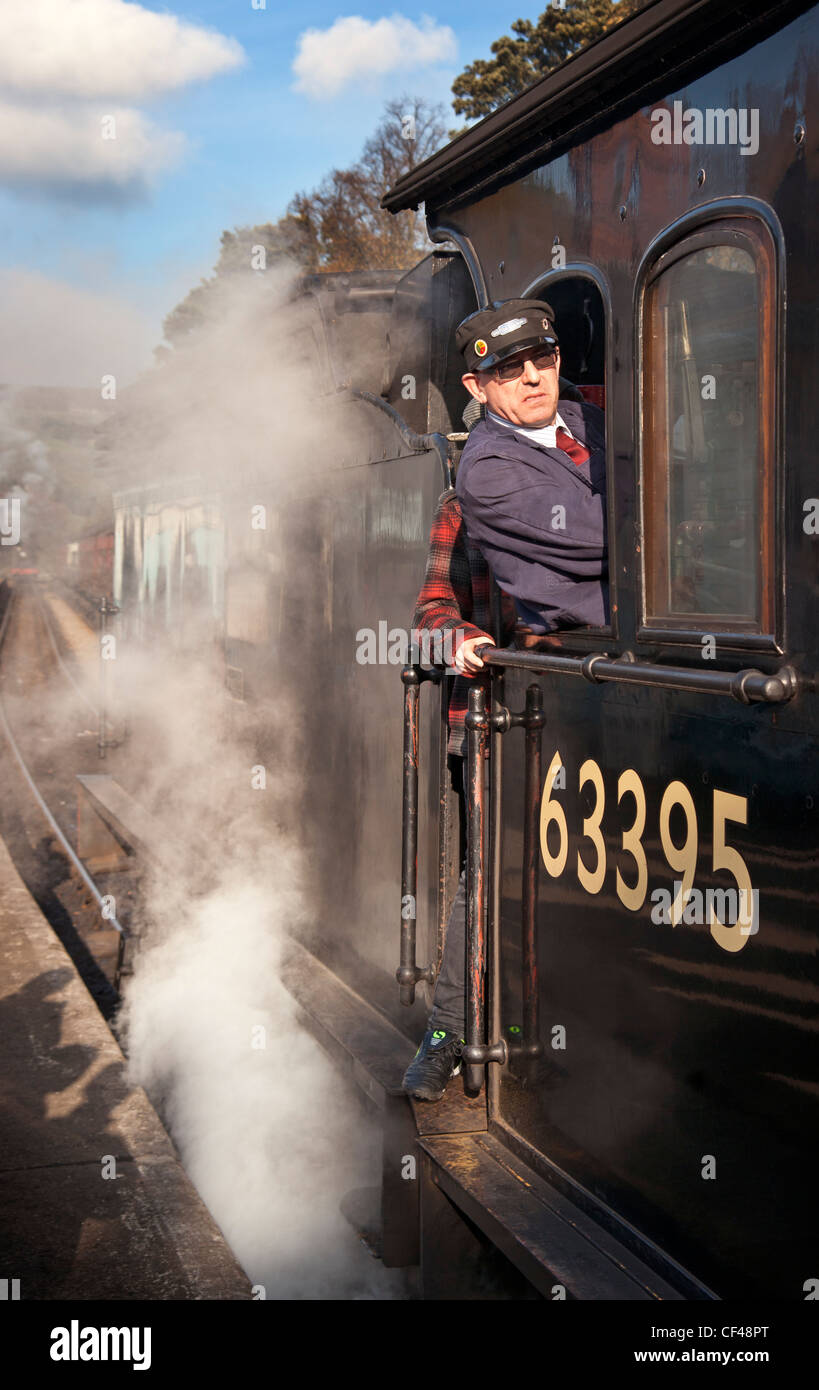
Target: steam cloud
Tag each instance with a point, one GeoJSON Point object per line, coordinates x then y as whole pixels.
{"type": "Point", "coordinates": [266, 1130]}
{"type": "Point", "coordinates": [54, 334]}
{"type": "Point", "coordinates": [270, 1138]}
{"type": "Point", "coordinates": [266, 1134]}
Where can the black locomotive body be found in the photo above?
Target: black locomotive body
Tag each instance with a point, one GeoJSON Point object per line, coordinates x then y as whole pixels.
{"type": "Point", "coordinates": [682, 1076]}
{"type": "Point", "coordinates": [650, 980]}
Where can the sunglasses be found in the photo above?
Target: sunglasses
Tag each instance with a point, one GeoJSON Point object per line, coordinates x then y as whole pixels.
{"type": "Point", "coordinates": [541, 360]}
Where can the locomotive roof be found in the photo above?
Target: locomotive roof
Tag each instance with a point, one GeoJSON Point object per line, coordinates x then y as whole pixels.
{"type": "Point", "coordinates": [639, 61]}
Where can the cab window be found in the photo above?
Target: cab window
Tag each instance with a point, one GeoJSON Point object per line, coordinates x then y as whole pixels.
{"type": "Point", "coordinates": [708, 431]}
{"type": "Point", "coordinates": [580, 320]}
{"type": "Point", "coordinates": [423, 367]}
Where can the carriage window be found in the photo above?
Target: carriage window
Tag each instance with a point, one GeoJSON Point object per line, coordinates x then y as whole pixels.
{"type": "Point", "coordinates": [708, 432]}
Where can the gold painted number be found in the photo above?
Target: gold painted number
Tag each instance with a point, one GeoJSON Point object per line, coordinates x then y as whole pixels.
{"type": "Point", "coordinates": [729, 807]}
{"type": "Point", "coordinates": [683, 858]}
{"type": "Point", "coordinates": [552, 812]}
{"type": "Point", "coordinates": [592, 880]}
{"type": "Point", "coordinates": [633, 898]}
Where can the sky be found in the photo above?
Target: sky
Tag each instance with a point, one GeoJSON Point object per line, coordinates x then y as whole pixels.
{"type": "Point", "coordinates": [132, 134]}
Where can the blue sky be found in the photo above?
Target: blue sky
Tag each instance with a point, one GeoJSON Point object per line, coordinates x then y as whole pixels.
{"type": "Point", "coordinates": [78, 251]}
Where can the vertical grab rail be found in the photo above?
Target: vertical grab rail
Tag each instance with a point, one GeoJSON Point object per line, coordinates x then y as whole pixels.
{"type": "Point", "coordinates": [533, 721]}
{"type": "Point", "coordinates": [409, 973]}
{"type": "Point", "coordinates": [482, 881]}
{"type": "Point", "coordinates": [476, 1053]}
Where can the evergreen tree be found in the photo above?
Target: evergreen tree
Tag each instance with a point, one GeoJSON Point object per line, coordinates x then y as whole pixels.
{"type": "Point", "coordinates": [537, 48]}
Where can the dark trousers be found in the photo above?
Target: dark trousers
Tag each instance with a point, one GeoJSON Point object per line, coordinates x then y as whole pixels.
{"type": "Point", "coordinates": [449, 999]}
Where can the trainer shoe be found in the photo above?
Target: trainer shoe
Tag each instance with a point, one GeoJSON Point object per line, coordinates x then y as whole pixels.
{"type": "Point", "coordinates": [436, 1061]}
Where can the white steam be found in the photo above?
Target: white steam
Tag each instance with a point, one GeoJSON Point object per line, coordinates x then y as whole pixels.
{"type": "Point", "coordinates": [268, 1133]}
{"type": "Point", "coordinates": [52, 332]}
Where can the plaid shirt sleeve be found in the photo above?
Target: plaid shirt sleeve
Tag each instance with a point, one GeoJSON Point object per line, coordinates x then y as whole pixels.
{"type": "Point", "coordinates": [455, 595]}
{"type": "Point", "coordinates": [447, 601]}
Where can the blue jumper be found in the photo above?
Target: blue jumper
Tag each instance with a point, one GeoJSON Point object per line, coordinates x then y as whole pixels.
{"type": "Point", "coordinates": [540, 519]}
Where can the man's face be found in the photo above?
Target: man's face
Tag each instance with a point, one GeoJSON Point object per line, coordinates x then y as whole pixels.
{"type": "Point", "coordinates": [529, 398]}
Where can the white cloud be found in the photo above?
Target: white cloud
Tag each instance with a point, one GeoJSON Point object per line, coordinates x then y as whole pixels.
{"type": "Point", "coordinates": [352, 48]}
{"type": "Point", "coordinates": [52, 334]}
{"type": "Point", "coordinates": [61, 149]}
{"type": "Point", "coordinates": [104, 48]}
{"type": "Point", "coordinates": [64, 64]}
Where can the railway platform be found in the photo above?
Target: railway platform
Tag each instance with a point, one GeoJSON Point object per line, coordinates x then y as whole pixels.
{"type": "Point", "coordinates": [94, 1202]}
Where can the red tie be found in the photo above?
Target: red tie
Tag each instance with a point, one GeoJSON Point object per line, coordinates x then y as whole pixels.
{"type": "Point", "coordinates": [576, 451]}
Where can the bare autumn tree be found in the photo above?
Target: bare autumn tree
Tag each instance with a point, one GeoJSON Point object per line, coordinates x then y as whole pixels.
{"type": "Point", "coordinates": [536, 49]}
{"type": "Point", "coordinates": [342, 221]}
{"type": "Point", "coordinates": [340, 225]}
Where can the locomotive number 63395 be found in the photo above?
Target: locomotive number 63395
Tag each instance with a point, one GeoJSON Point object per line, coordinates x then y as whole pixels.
{"type": "Point", "coordinates": [632, 886]}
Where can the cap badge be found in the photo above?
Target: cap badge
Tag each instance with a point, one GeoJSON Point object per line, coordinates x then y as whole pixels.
{"type": "Point", "coordinates": [481, 348]}
{"type": "Point", "coordinates": [508, 327]}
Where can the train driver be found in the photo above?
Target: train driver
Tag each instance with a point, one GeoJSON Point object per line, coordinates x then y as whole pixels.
{"type": "Point", "coordinates": [532, 479]}
{"type": "Point", "coordinates": [530, 503]}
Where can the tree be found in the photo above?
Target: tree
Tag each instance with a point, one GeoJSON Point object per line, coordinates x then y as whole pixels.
{"type": "Point", "coordinates": [561, 31]}
{"type": "Point", "coordinates": [338, 226]}
{"type": "Point", "coordinates": [285, 238]}
{"type": "Point", "coordinates": [342, 221]}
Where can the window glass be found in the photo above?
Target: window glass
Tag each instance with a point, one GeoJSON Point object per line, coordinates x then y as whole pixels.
{"type": "Point", "coordinates": [708, 427]}
{"type": "Point", "coordinates": [580, 320]}
{"type": "Point", "coordinates": [423, 367]}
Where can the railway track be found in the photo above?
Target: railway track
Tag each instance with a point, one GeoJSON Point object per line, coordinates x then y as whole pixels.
{"type": "Point", "coordinates": [48, 740]}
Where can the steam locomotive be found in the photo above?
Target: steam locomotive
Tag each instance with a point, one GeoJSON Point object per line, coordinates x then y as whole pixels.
{"type": "Point", "coordinates": [641, 1062]}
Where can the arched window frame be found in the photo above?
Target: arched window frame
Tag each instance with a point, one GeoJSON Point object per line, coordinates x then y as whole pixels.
{"type": "Point", "coordinates": [753, 226]}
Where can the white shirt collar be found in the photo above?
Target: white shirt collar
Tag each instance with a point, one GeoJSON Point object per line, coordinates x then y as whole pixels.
{"type": "Point", "coordinates": [545, 436]}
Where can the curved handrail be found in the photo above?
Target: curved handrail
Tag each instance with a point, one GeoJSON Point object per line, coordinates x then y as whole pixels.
{"type": "Point", "coordinates": [419, 443]}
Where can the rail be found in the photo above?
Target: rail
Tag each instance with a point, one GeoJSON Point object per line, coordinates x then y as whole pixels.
{"type": "Point", "coordinates": [64, 843]}
{"type": "Point", "coordinates": [747, 686]}
{"type": "Point", "coordinates": [58, 657]}
{"type": "Point", "coordinates": [409, 972]}
{"type": "Point", "coordinates": [476, 1053]}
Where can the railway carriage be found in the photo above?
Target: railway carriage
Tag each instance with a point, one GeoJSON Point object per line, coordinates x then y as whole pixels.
{"type": "Point", "coordinates": [89, 562]}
